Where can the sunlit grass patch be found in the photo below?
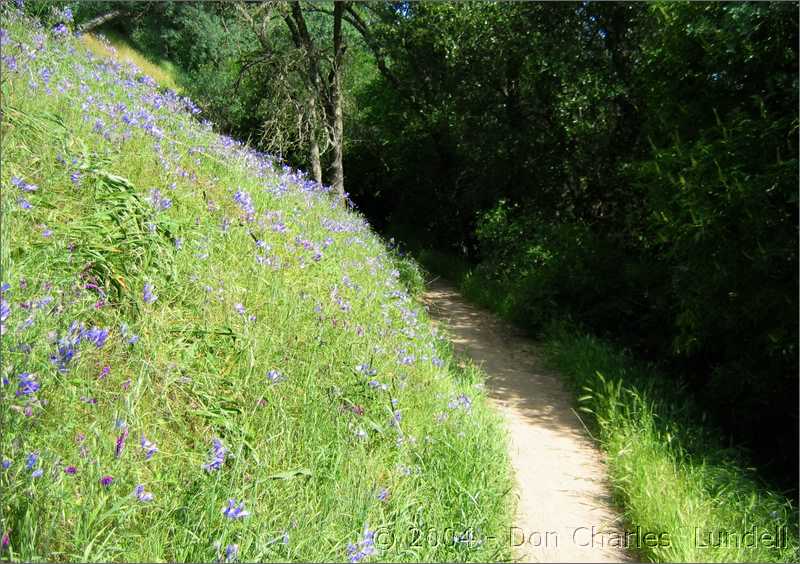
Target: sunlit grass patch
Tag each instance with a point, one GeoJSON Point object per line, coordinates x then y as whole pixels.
{"type": "Point", "coordinates": [110, 44]}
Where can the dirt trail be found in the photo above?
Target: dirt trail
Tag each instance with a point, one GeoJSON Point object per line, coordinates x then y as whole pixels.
{"type": "Point", "coordinates": [564, 510]}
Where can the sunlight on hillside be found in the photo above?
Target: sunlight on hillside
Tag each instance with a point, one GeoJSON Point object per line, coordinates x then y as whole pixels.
{"type": "Point", "coordinates": [108, 46]}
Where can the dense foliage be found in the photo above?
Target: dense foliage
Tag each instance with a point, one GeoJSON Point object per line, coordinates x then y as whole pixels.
{"type": "Point", "coordinates": [204, 356]}
{"type": "Point", "coordinates": [632, 166]}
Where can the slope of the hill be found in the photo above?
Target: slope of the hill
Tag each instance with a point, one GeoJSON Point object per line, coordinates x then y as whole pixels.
{"type": "Point", "coordinates": [203, 357]}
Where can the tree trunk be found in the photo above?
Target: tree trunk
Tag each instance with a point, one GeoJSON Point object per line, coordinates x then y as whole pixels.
{"type": "Point", "coordinates": [337, 125]}
{"type": "Point", "coordinates": [316, 163]}
{"type": "Point", "coordinates": [302, 39]}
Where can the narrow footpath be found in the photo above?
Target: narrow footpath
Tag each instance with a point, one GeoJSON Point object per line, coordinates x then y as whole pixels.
{"type": "Point", "coordinates": [564, 512]}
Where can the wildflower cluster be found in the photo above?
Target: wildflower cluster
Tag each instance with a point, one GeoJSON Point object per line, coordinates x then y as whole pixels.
{"type": "Point", "coordinates": [363, 548]}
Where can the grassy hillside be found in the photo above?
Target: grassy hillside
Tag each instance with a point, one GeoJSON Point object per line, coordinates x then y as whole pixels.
{"type": "Point", "coordinates": [203, 356]}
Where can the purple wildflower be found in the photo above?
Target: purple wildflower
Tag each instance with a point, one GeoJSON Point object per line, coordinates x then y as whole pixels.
{"type": "Point", "coordinates": [396, 418]}
{"type": "Point", "coordinates": [71, 470]}
{"type": "Point", "coordinates": [10, 62]}
{"type": "Point", "coordinates": [159, 202]}
{"type": "Point", "coordinates": [67, 347]}
{"type": "Point", "coordinates": [234, 511]}
{"type": "Point", "coordinates": [27, 384]}
{"type": "Point", "coordinates": [106, 481]}
{"type": "Point", "coordinates": [217, 457]}
{"type": "Point", "coordinates": [121, 442]}
{"type": "Point", "coordinates": [364, 548]}
{"type": "Point", "coordinates": [5, 311]}
{"type": "Point", "coordinates": [6, 463]}
{"type": "Point", "coordinates": [75, 177]}
{"type": "Point", "coordinates": [22, 185]}
{"type": "Point", "coordinates": [147, 294]}
{"type": "Point", "coordinates": [97, 336]}
{"type": "Point", "coordinates": [374, 384]}
{"type": "Point", "coordinates": [31, 461]}
{"type": "Point", "coordinates": [6, 540]}
{"type": "Point", "coordinates": [231, 551]}
{"type": "Point", "coordinates": [149, 448]}
{"type": "Point", "coordinates": [24, 204]}
{"type": "Point", "coordinates": [123, 329]}
{"type": "Point", "coordinates": [142, 495]}
{"type": "Point", "coordinates": [407, 359]}
{"type": "Point", "coordinates": [245, 202]}
{"type": "Point", "coordinates": [274, 376]}
{"type": "Point", "coordinates": [37, 473]}
{"type": "Point", "coordinates": [461, 401]}
{"type": "Point", "coordinates": [239, 308]}
{"type": "Point", "coordinates": [366, 369]}
{"type": "Point", "coordinates": [383, 495]}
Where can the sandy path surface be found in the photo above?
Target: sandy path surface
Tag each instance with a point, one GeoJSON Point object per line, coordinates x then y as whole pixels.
{"type": "Point", "coordinates": [564, 511]}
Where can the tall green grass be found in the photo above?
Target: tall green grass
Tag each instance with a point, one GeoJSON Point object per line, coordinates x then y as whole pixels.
{"type": "Point", "coordinates": [241, 303]}
{"type": "Point", "coordinates": [670, 473]}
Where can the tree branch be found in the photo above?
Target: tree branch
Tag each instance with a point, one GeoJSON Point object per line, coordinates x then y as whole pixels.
{"type": "Point", "coordinates": [98, 21]}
